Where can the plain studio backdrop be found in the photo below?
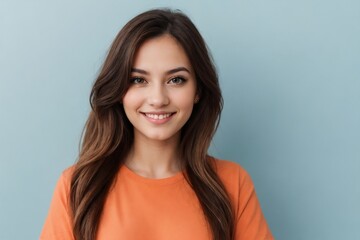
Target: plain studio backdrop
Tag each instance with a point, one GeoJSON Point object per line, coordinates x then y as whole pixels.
{"type": "Point", "coordinates": [290, 76]}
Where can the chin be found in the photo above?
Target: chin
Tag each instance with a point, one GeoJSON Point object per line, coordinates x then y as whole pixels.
{"type": "Point", "coordinates": [158, 136]}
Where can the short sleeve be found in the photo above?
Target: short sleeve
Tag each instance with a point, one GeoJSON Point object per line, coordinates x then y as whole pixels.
{"type": "Point", "coordinates": [250, 223]}
{"type": "Point", "coordinates": [58, 224]}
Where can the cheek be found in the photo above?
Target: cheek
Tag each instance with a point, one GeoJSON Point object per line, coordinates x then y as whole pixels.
{"type": "Point", "coordinates": [185, 99]}
{"type": "Point", "coordinates": [130, 99]}
{"type": "Point", "coordinates": [187, 103]}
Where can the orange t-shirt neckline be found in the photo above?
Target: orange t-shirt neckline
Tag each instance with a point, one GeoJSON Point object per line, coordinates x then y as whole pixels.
{"type": "Point", "coordinates": [153, 181]}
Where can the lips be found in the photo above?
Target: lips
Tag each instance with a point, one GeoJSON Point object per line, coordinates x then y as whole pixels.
{"type": "Point", "coordinates": [158, 117]}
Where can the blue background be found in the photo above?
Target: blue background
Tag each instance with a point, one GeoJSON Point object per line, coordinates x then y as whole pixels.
{"type": "Point", "coordinates": [290, 75]}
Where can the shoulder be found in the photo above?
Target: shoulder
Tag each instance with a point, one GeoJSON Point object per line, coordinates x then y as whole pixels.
{"type": "Point", "coordinates": [67, 174]}
{"type": "Point", "coordinates": [250, 221]}
{"type": "Point", "coordinates": [62, 189]}
{"type": "Point", "coordinates": [235, 178]}
{"type": "Point", "coordinates": [227, 166]}
{"type": "Point", "coordinates": [64, 181]}
{"type": "Point", "coordinates": [58, 224]}
{"type": "Point", "coordinates": [230, 171]}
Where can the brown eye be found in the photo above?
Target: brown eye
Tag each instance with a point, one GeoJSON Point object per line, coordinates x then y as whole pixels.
{"type": "Point", "coordinates": [137, 80]}
{"type": "Point", "coordinates": [177, 80]}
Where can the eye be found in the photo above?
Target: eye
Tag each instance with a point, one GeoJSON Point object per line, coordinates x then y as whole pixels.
{"type": "Point", "coordinates": [137, 80]}
{"type": "Point", "coordinates": [177, 80]}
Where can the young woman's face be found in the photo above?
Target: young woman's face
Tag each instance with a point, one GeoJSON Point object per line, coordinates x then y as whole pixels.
{"type": "Point", "coordinates": [162, 91]}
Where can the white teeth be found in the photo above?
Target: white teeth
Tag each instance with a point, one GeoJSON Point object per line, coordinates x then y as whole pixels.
{"type": "Point", "coordinates": [158, 116]}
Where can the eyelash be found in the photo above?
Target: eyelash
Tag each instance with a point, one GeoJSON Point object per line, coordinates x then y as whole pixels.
{"type": "Point", "coordinates": [133, 79]}
{"type": "Point", "coordinates": [139, 80]}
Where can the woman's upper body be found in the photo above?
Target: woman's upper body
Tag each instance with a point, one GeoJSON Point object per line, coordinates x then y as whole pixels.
{"type": "Point", "coordinates": [155, 107]}
{"type": "Point", "coordinates": [141, 208]}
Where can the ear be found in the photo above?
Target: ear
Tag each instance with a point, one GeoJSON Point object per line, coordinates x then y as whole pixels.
{"type": "Point", "coordinates": [197, 98]}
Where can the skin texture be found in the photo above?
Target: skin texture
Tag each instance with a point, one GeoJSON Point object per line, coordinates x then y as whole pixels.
{"type": "Point", "coordinates": [158, 103]}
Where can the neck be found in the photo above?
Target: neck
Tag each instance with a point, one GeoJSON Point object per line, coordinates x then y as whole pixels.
{"type": "Point", "coordinates": [154, 159]}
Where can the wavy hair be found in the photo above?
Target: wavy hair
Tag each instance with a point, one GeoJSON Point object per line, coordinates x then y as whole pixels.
{"type": "Point", "coordinates": [108, 134]}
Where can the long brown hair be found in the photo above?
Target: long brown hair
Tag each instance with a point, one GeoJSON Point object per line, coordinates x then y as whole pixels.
{"type": "Point", "coordinates": [108, 134]}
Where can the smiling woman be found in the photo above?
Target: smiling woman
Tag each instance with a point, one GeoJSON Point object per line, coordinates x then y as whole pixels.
{"type": "Point", "coordinates": [163, 91]}
{"type": "Point", "coordinates": [143, 171]}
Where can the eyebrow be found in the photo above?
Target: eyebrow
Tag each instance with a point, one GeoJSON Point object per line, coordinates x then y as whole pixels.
{"type": "Point", "coordinates": [171, 71]}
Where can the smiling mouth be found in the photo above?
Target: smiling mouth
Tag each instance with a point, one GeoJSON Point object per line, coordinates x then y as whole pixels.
{"type": "Point", "coordinates": [158, 116]}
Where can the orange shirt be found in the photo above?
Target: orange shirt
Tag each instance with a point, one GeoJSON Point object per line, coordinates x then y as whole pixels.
{"type": "Point", "coordinates": [139, 208]}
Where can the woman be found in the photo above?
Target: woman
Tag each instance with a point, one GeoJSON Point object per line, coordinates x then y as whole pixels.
{"type": "Point", "coordinates": [143, 171]}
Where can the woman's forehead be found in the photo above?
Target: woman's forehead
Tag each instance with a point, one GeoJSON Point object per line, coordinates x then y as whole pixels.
{"type": "Point", "coordinates": [162, 53]}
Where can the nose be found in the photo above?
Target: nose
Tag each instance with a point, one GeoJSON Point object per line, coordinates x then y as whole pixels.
{"type": "Point", "coordinates": [158, 96]}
